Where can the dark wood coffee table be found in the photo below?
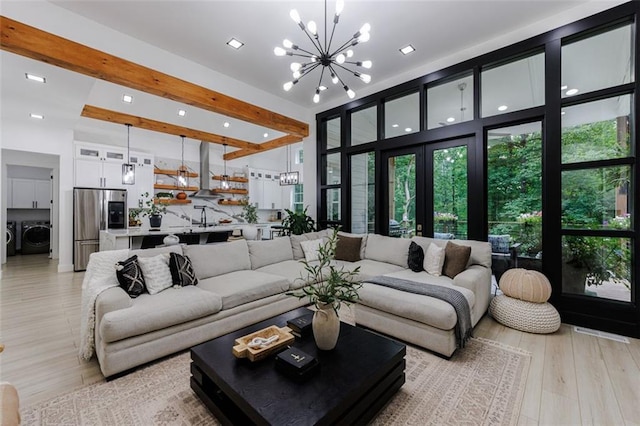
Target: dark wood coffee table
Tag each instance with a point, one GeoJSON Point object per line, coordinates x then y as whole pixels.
{"type": "Point", "coordinates": [354, 382]}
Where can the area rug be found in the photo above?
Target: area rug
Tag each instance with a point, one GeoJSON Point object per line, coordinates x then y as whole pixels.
{"type": "Point", "coordinates": [481, 384]}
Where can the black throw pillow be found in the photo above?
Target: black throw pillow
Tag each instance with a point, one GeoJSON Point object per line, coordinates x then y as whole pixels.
{"type": "Point", "coordinates": [130, 276]}
{"type": "Point", "coordinates": [416, 257]}
{"type": "Point", "coordinates": [182, 273]}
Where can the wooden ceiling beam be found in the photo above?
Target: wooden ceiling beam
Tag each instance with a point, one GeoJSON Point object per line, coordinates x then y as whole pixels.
{"type": "Point", "coordinates": [265, 146]}
{"type": "Point", "coordinates": [34, 43]}
{"type": "Point", "coordinates": [98, 113]}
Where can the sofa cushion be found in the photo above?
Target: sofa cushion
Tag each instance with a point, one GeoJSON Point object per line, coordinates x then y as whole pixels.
{"type": "Point", "coordinates": [415, 259]}
{"type": "Point", "coordinates": [480, 250]}
{"type": "Point", "coordinates": [434, 260]}
{"type": "Point", "coordinates": [148, 312]}
{"type": "Point", "coordinates": [363, 242]}
{"type": "Point", "coordinates": [348, 248]}
{"type": "Point", "coordinates": [130, 276]}
{"type": "Point", "coordinates": [267, 252]}
{"type": "Point", "coordinates": [456, 258]}
{"type": "Point", "coordinates": [370, 268]}
{"type": "Point", "coordinates": [387, 249]}
{"type": "Point", "coordinates": [210, 260]}
{"type": "Point", "coordinates": [311, 249]}
{"type": "Point", "coordinates": [182, 272]}
{"type": "Point", "coordinates": [295, 240]}
{"type": "Point", "coordinates": [240, 287]}
{"type": "Point", "coordinates": [292, 270]}
{"type": "Point", "coordinates": [157, 275]}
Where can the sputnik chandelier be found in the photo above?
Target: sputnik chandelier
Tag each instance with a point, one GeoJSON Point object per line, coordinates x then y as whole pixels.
{"type": "Point", "coordinates": [329, 60]}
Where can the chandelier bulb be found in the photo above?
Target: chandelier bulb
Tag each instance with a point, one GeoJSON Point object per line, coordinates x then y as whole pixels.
{"type": "Point", "coordinates": [295, 66]}
{"type": "Point", "coordinates": [287, 86]}
{"type": "Point", "coordinates": [349, 53]}
{"type": "Point", "coordinates": [313, 28]}
{"type": "Point", "coordinates": [340, 58]}
{"type": "Point", "coordinates": [365, 28]}
{"type": "Point", "coordinates": [316, 97]}
{"type": "Point", "coordinates": [350, 92]}
{"type": "Point", "coordinates": [339, 7]}
{"type": "Point", "coordinates": [287, 43]}
{"type": "Point", "coordinates": [296, 74]}
{"type": "Point", "coordinates": [295, 16]}
{"type": "Point", "coordinates": [365, 64]}
{"type": "Point", "coordinates": [364, 37]}
{"type": "Point", "coordinates": [334, 78]}
{"type": "Point", "coordinates": [364, 77]}
{"type": "Point", "coordinates": [279, 51]}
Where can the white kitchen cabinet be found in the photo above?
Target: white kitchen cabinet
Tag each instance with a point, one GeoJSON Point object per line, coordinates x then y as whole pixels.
{"type": "Point", "coordinates": [30, 194]}
{"type": "Point", "coordinates": [144, 178]}
{"type": "Point", "coordinates": [98, 166]}
{"type": "Point", "coordinates": [265, 190]}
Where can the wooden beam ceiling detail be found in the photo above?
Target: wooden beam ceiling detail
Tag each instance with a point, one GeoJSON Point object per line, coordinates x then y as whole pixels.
{"type": "Point", "coordinates": [98, 113]}
{"type": "Point", "coordinates": [34, 43]}
{"type": "Point", "coordinates": [265, 146]}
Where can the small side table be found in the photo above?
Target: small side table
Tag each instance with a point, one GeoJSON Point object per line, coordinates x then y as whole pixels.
{"type": "Point", "coordinates": [277, 231]}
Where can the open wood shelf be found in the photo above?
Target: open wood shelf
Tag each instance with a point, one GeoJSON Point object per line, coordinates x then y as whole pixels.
{"type": "Point", "coordinates": [231, 178]}
{"type": "Point", "coordinates": [230, 202]}
{"type": "Point", "coordinates": [167, 186]}
{"type": "Point", "coordinates": [172, 173]}
{"type": "Point", "coordinates": [170, 201]}
{"type": "Point", "coordinates": [230, 191]}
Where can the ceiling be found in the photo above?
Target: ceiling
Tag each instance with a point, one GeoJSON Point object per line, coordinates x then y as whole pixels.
{"type": "Point", "coordinates": [198, 31]}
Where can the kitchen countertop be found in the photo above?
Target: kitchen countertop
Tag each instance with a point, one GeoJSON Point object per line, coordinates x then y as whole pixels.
{"type": "Point", "coordinates": [142, 231]}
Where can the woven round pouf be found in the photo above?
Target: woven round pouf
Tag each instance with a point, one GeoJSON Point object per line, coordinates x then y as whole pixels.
{"type": "Point", "coordinates": [540, 318]}
{"type": "Point", "coordinates": [523, 284]}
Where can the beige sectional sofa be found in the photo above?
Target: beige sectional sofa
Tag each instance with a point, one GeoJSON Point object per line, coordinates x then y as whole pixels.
{"type": "Point", "coordinates": [244, 282]}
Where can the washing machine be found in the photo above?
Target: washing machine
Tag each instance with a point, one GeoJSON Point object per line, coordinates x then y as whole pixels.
{"type": "Point", "coordinates": [35, 236]}
{"type": "Point", "coordinates": [11, 238]}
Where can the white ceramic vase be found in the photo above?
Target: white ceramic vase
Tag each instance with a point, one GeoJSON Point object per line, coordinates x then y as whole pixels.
{"type": "Point", "coordinates": [326, 328]}
{"type": "Point", "coordinates": [250, 232]}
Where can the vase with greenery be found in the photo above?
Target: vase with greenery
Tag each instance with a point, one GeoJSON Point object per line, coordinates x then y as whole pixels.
{"type": "Point", "coordinates": [153, 210]}
{"type": "Point", "coordinates": [249, 211]}
{"type": "Point", "coordinates": [297, 223]}
{"type": "Point", "coordinates": [331, 286]}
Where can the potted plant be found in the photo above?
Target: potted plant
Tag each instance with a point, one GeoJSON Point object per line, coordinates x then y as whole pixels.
{"type": "Point", "coordinates": [154, 211]}
{"type": "Point", "coordinates": [134, 214]}
{"type": "Point", "coordinates": [333, 286]}
{"type": "Point", "coordinates": [249, 211]}
{"type": "Point", "coordinates": [298, 223]}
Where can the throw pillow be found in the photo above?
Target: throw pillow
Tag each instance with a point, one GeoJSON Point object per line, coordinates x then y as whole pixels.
{"type": "Point", "coordinates": [416, 257]}
{"type": "Point", "coordinates": [182, 273]}
{"type": "Point", "coordinates": [310, 249]}
{"type": "Point", "coordinates": [130, 276]}
{"type": "Point", "coordinates": [157, 275]}
{"type": "Point", "coordinates": [348, 248]}
{"type": "Point", "coordinates": [434, 259]}
{"type": "Point", "coordinates": [455, 259]}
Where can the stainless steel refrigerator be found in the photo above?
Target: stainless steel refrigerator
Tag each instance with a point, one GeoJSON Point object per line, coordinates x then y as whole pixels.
{"type": "Point", "coordinates": [95, 210]}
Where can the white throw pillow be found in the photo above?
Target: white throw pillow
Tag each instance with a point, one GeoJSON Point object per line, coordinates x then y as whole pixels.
{"type": "Point", "coordinates": [433, 260]}
{"type": "Point", "coordinates": [310, 249]}
{"type": "Point", "coordinates": [156, 272]}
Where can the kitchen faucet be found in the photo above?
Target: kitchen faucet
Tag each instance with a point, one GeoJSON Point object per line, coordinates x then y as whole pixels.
{"type": "Point", "coordinates": [203, 215]}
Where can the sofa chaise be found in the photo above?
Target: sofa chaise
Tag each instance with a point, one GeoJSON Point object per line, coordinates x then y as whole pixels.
{"type": "Point", "coordinates": [243, 282]}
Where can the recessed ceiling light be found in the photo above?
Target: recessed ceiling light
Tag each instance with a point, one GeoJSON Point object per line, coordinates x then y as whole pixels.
{"type": "Point", "coordinates": [226, 124]}
{"type": "Point", "coordinates": [38, 116]}
{"type": "Point", "coordinates": [127, 98]}
{"type": "Point", "coordinates": [502, 108]}
{"type": "Point", "coordinates": [394, 125]}
{"type": "Point", "coordinates": [564, 87]}
{"type": "Point", "coordinates": [266, 135]}
{"type": "Point", "coordinates": [407, 49]}
{"type": "Point", "coordinates": [571, 92]}
{"type": "Point", "coordinates": [408, 129]}
{"type": "Point", "coordinates": [450, 120]}
{"type": "Point", "coordinates": [235, 43]}
{"type": "Point", "coordinates": [182, 112]}
{"type": "Point", "coordinates": [35, 78]}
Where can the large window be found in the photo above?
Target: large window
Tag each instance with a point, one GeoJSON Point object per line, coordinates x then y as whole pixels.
{"type": "Point", "coordinates": [450, 102]}
{"type": "Point", "coordinates": [514, 191]}
{"type": "Point", "coordinates": [450, 192]}
{"type": "Point", "coordinates": [363, 193]}
{"type": "Point", "coordinates": [364, 126]}
{"type": "Point", "coordinates": [402, 116]}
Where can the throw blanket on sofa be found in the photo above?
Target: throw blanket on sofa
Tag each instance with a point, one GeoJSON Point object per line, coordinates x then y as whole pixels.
{"type": "Point", "coordinates": [100, 275]}
{"type": "Point", "coordinates": [450, 295]}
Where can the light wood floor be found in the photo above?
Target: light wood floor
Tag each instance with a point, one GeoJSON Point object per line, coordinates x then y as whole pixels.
{"type": "Point", "coordinates": [573, 378]}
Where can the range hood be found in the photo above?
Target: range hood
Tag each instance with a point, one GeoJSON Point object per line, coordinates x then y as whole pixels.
{"type": "Point", "coordinates": [204, 191]}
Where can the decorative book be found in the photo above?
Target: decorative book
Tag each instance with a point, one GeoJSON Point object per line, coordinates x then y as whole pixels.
{"type": "Point", "coordinates": [296, 363]}
{"type": "Point", "coordinates": [301, 326]}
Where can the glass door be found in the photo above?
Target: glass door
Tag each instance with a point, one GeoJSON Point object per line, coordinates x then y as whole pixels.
{"type": "Point", "coordinates": [403, 174]}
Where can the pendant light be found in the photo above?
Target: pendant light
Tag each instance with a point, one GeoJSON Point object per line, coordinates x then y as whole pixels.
{"type": "Point", "coordinates": [289, 177]}
{"type": "Point", "coordinates": [183, 173]}
{"type": "Point", "coordinates": [225, 177]}
{"type": "Point", "coordinates": [128, 169]}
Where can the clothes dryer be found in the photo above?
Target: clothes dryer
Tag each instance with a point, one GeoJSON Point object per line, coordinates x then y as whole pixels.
{"type": "Point", "coordinates": [35, 236]}
{"type": "Point", "coordinates": [11, 238]}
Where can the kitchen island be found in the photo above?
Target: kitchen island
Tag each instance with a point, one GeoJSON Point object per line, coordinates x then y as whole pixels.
{"type": "Point", "coordinates": [135, 238]}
